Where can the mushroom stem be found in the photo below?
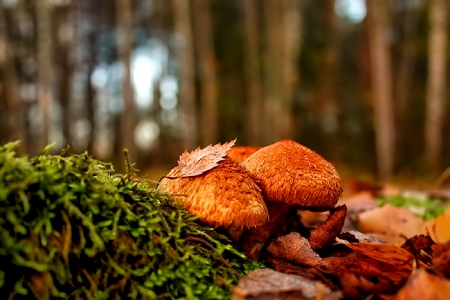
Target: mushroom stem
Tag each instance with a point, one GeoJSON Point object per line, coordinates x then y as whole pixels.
{"type": "Point", "coordinates": [282, 219]}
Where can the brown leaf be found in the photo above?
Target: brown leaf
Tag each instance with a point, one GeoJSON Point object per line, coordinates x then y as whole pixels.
{"type": "Point", "coordinates": [393, 220]}
{"type": "Point", "coordinates": [201, 160]}
{"type": "Point", "coordinates": [441, 260]}
{"type": "Point", "coordinates": [358, 202]}
{"type": "Point", "coordinates": [421, 247]}
{"type": "Point", "coordinates": [295, 249]}
{"type": "Point", "coordinates": [327, 232]}
{"type": "Point", "coordinates": [369, 268]}
{"type": "Point", "coordinates": [425, 286]}
{"type": "Point", "coordinates": [358, 237]}
{"type": "Point", "coordinates": [272, 285]}
{"type": "Point", "coordinates": [385, 253]}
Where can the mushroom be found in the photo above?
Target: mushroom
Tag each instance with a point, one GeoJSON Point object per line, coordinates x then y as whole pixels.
{"type": "Point", "coordinates": [223, 196]}
{"type": "Point", "coordinates": [240, 153]}
{"type": "Point", "coordinates": [291, 177]}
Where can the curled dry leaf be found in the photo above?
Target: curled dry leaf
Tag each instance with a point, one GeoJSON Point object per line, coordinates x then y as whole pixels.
{"type": "Point", "coordinates": [267, 284]}
{"type": "Point", "coordinates": [295, 249]}
{"type": "Point", "coordinates": [425, 286]}
{"type": "Point", "coordinates": [201, 160]}
{"type": "Point", "coordinates": [327, 232]}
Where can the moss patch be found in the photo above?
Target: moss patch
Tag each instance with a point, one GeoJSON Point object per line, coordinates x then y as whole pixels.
{"type": "Point", "coordinates": [71, 228]}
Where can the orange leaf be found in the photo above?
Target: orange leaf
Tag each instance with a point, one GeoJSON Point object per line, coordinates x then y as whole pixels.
{"type": "Point", "coordinates": [202, 160]}
{"type": "Point", "coordinates": [425, 286]}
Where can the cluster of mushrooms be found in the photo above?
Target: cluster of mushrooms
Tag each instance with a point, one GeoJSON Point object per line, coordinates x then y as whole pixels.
{"type": "Point", "coordinates": [255, 193]}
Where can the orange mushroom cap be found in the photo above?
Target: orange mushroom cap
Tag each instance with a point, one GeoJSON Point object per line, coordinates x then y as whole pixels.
{"type": "Point", "coordinates": [240, 153]}
{"type": "Point", "coordinates": [291, 173]}
{"type": "Point", "coordinates": [223, 196]}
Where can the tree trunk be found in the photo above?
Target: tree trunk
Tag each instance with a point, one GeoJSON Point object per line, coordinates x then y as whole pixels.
{"type": "Point", "coordinates": [15, 127]}
{"type": "Point", "coordinates": [292, 29]}
{"type": "Point", "coordinates": [405, 74]}
{"type": "Point", "coordinates": [66, 69]}
{"type": "Point", "coordinates": [381, 78]}
{"type": "Point", "coordinates": [207, 63]}
{"type": "Point", "coordinates": [252, 71]}
{"type": "Point", "coordinates": [273, 94]}
{"type": "Point", "coordinates": [185, 53]}
{"type": "Point", "coordinates": [437, 57]}
{"type": "Point", "coordinates": [329, 68]}
{"type": "Point", "coordinates": [45, 65]}
{"type": "Point", "coordinates": [125, 43]}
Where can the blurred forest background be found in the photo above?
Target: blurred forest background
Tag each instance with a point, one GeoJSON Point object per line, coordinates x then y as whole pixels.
{"type": "Point", "coordinates": [363, 83]}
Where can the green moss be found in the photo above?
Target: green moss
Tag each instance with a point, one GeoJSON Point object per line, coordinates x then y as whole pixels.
{"type": "Point", "coordinates": [71, 228]}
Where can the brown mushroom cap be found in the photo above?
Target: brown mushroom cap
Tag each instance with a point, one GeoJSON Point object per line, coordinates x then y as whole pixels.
{"type": "Point", "coordinates": [223, 196]}
{"type": "Point", "coordinates": [240, 153]}
{"type": "Point", "coordinates": [291, 173]}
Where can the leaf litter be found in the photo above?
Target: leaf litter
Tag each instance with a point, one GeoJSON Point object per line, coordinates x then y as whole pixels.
{"type": "Point", "coordinates": [391, 252]}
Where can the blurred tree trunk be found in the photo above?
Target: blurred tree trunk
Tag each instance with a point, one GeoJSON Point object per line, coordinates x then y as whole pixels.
{"type": "Point", "coordinates": [125, 43]}
{"type": "Point", "coordinates": [292, 31]}
{"type": "Point", "coordinates": [282, 43]}
{"type": "Point", "coordinates": [45, 65]}
{"type": "Point", "coordinates": [381, 86]}
{"type": "Point", "coordinates": [66, 69]}
{"type": "Point", "coordinates": [273, 62]}
{"type": "Point", "coordinates": [90, 107]}
{"type": "Point", "coordinates": [405, 73]}
{"type": "Point", "coordinates": [437, 57]}
{"type": "Point", "coordinates": [329, 67]}
{"type": "Point", "coordinates": [252, 70]}
{"type": "Point", "coordinates": [185, 54]}
{"type": "Point", "coordinates": [207, 64]}
{"type": "Point", "coordinates": [407, 60]}
{"type": "Point", "coordinates": [13, 117]}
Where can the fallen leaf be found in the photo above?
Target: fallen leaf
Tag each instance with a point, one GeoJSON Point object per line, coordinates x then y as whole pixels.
{"type": "Point", "coordinates": [359, 202]}
{"type": "Point", "coordinates": [327, 232]}
{"type": "Point", "coordinates": [439, 227]}
{"type": "Point", "coordinates": [295, 249]}
{"type": "Point", "coordinates": [393, 220]}
{"type": "Point", "coordinates": [385, 253]}
{"type": "Point", "coordinates": [269, 284]}
{"type": "Point", "coordinates": [425, 286]}
{"type": "Point", "coordinates": [443, 193]}
{"type": "Point", "coordinates": [421, 247]}
{"type": "Point", "coordinates": [441, 260]}
{"type": "Point", "coordinates": [389, 238]}
{"type": "Point", "coordinates": [201, 160]}
{"type": "Point", "coordinates": [359, 237]}
{"type": "Point", "coordinates": [365, 269]}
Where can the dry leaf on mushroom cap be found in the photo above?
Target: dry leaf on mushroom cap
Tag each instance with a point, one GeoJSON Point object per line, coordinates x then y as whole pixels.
{"type": "Point", "coordinates": [225, 195]}
{"type": "Point", "coordinates": [289, 172]}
